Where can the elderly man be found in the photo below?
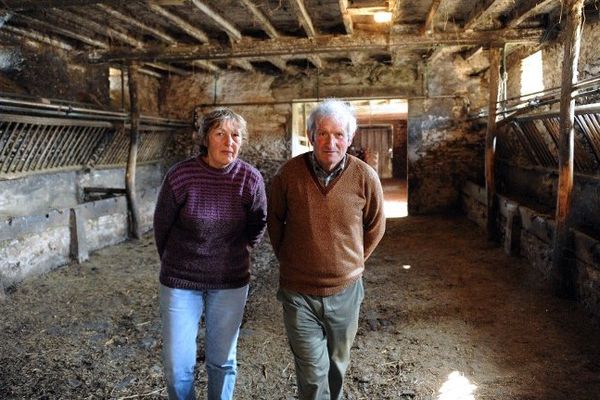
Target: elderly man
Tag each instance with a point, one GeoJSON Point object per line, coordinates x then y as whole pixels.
{"type": "Point", "coordinates": [325, 218]}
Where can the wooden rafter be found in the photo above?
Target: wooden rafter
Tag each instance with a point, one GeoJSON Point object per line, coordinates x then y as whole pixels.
{"type": "Point", "coordinates": [232, 31]}
{"type": "Point", "coordinates": [242, 64]}
{"type": "Point", "coordinates": [37, 36]}
{"type": "Point", "coordinates": [428, 26]}
{"type": "Point", "coordinates": [134, 22]}
{"type": "Point", "coordinates": [21, 5]}
{"type": "Point", "coordinates": [481, 13]}
{"type": "Point", "coordinates": [346, 17]}
{"type": "Point", "coordinates": [342, 44]}
{"type": "Point", "coordinates": [169, 68]}
{"type": "Point", "coordinates": [188, 29]}
{"type": "Point", "coordinates": [528, 10]}
{"type": "Point", "coordinates": [179, 23]}
{"type": "Point", "coordinates": [98, 28]}
{"type": "Point", "coordinates": [262, 20]}
{"type": "Point", "coordinates": [62, 31]}
{"type": "Point", "coordinates": [303, 17]}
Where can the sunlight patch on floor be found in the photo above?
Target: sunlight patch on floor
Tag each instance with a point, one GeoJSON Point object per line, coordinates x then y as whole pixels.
{"type": "Point", "coordinates": [457, 387]}
{"type": "Point", "coordinates": [395, 209]}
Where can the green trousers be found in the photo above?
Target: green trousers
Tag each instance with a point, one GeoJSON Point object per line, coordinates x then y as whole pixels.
{"type": "Point", "coordinates": [320, 332]}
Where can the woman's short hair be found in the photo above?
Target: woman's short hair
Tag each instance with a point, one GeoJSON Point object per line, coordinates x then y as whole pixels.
{"type": "Point", "coordinates": [216, 118]}
{"type": "Point", "coordinates": [339, 110]}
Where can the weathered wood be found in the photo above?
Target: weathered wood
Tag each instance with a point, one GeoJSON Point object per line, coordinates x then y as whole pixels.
{"type": "Point", "coordinates": [480, 13]}
{"type": "Point", "coordinates": [528, 9]}
{"type": "Point", "coordinates": [97, 189]}
{"type": "Point", "coordinates": [38, 37]}
{"type": "Point", "coordinates": [490, 145]}
{"type": "Point", "coordinates": [326, 44]}
{"type": "Point", "coordinates": [179, 23]}
{"type": "Point", "coordinates": [262, 20]}
{"type": "Point", "coordinates": [78, 246]}
{"type": "Point", "coordinates": [63, 31]}
{"type": "Point", "coordinates": [303, 17]}
{"type": "Point", "coordinates": [563, 275]}
{"type": "Point", "coordinates": [134, 22]}
{"type": "Point", "coordinates": [135, 228]}
{"type": "Point", "coordinates": [428, 26]}
{"type": "Point", "coordinates": [346, 17]}
{"type": "Point", "coordinates": [232, 31]}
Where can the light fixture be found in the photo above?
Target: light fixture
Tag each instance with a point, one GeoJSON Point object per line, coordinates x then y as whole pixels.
{"type": "Point", "coordinates": [381, 17]}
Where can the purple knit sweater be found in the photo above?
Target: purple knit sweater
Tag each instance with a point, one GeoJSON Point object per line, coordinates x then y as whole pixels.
{"type": "Point", "coordinates": [205, 222]}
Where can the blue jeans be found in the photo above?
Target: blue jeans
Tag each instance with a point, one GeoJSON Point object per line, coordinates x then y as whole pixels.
{"type": "Point", "coordinates": [181, 310]}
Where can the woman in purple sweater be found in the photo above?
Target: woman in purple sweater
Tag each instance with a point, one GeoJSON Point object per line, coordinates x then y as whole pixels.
{"type": "Point", "coordinates": [211, 211]}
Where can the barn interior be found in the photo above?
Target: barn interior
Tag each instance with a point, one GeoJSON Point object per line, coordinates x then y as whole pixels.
{"type": "Point", "coordinates": [480, 114]}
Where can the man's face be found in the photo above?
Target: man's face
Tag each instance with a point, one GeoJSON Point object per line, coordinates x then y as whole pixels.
{"type": "Point", "coordinates": [330, 143]}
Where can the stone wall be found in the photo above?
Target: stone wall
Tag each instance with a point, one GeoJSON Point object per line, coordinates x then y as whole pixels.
{"type": "Point", "coordinates": [46, 223]}
{"type": "Point", "coordinates": [44, 71]}
{"type": "Point", "coordinates": [444, 151]}
{"type": "Point", "coordinates": [528, 233]}
{"type": "Point", "coordinates": [36, 194]}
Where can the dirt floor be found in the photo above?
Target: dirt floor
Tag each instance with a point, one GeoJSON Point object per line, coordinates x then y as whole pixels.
{"type": "Point", "coordinates": [446, 317]}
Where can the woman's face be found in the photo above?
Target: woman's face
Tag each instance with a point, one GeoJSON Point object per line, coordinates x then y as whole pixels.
{"type": "Point", "coordinates": [223, 142]}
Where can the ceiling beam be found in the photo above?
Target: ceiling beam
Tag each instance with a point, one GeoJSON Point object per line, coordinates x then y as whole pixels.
{"type": "Point", "coordinates": [248, 48]}
{"type": "Point", "coordinates": [303, 17]}
{"type": "Point", "coordinates": [22, 5]}
{"type": "Point", "coordinates": [37, 36]}
{"type": "Point", "coordinates": [482, 12]}
{"type": "Point", "coordinates": [528, 10]}
{"type": "Point", "coordinates": [346, 17]}
{"type": "Point", "coordinates": [134, 22]}
{"type": "Point", "coordinates": [169, 68]}
{"type": "Point", "coordinates": [205, 65]}
{"type": "Point", "coordinates": [261, 18]}
{"type": "Point", "coordinates": [242, 64]}
{"type": "Point", "coordinates": [97, 28]}
{"type": "Point", "coordinates": [233, 33]}
{"type": "Point", "coordinates": [428, 26]}
{"type": "Point", "coordinates": [179, 23]}
{"type": "Point", "coordinates": [62, 31]}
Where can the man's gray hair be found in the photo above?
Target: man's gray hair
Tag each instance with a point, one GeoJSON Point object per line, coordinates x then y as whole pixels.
{"type": "Point", "coordinates": [215, 118]}
{"type": "Point", "coordinates": [339, 110]}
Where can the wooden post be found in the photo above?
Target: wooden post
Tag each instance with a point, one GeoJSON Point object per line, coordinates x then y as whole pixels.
{"type": "Point", "coordinates": [490, 145]}
{"type": "Point", "coordinates": [134, 227]}
{"type": "Point", "coordinates": [562, 271]}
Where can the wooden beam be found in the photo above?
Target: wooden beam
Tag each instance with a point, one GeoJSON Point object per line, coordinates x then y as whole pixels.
{"type": "Point", "coordinates": [63, 31]}
{"type": "Point", "coordinates": [242, 64]}
{"type": "Point", "coordinates": [358, 57]}
{"type": "Point", "coordinates": [233, 33]}
{"type": "Point", "coordinates": [208, 66]}
{"type": "Point", "coordinates": [563, 274]}
{"type": "Point", "coordinates": [528, 10]}
{"type": "Point", "coordinates": [485, 10]}
{"type": "Point", "coordinates": [262, 20]}
{"type": "Point", "coordinates": [168, 68]}
{"type": "Point", "coordinates": [316, 61]}
{"type": "Point", "coordinates": [134, 134]}
{"type": "Point", "coordinates": [342, 44]}
{"type": "Point", "coordinates": [490, 145]}
{"type": "Point", "coordinates": [179, 23]}
{"type": "Point", "coordinates": [37, 36]}
{"type": "Point", "coordinates": [428, 26]}
{"type": "Point", "coordinates": [134, 22]}
{"type": "Point", "coordinates": [22, 5]}
{"type": "Point", "coordinates": [346, 17]}
{"type": "Point", "coordinates": [303, 17]}
{"type": "Point", "coordinates": [98, 28]}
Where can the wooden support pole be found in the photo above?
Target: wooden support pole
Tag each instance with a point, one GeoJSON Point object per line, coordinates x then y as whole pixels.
{"type": "Point", "coordinates": [490, 145]}
{"type": "Point", "coordinates": [134, 227]}
{"type": "Point", "coordinates": [562, 271]}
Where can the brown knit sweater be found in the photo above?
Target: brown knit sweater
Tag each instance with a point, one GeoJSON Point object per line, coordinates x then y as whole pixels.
{"type": "Point", "coordinates": [323, 235]}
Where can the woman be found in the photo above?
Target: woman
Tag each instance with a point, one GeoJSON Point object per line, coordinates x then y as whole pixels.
{"type": "Point", "coordinates": [210, 212]}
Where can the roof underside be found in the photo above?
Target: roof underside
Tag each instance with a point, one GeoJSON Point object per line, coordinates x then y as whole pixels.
{"type": "Point", "coordinates": [272, 36]}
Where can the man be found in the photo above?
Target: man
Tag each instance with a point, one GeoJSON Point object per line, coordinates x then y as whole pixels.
{"type": "Point", "coordinates": [325, 218]}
